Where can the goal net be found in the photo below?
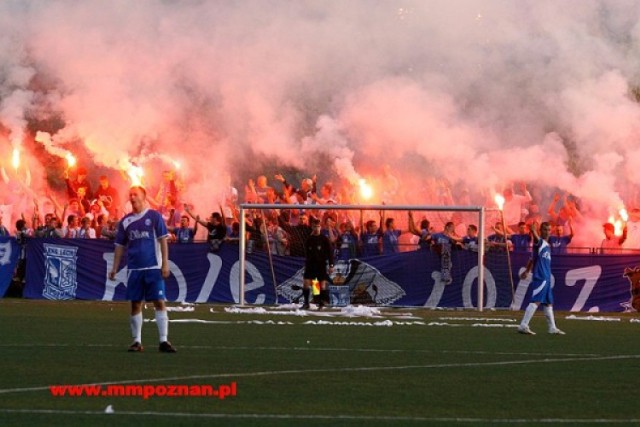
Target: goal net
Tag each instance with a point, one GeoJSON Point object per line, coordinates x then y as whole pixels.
{"type": "Point", "coordinates": [418, 256]}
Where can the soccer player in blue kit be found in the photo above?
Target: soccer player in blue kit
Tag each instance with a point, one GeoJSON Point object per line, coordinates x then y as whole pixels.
{"type": "Point", "coordinates": [144, 234]}
{"type": "Point", "coordinates": [540, 262]}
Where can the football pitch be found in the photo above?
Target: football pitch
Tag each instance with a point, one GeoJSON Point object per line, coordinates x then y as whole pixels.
{"type": "Point", "coordinates": [386, 366]}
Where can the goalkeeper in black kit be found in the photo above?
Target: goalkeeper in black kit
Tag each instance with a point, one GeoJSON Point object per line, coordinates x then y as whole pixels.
{"type": "Point", "coordinates": [318, 264]}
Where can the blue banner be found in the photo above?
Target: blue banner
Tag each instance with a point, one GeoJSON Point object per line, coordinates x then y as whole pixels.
{"type": "Point", "coordinates": [9, 255]}
{"type": "Point", "coordinates": [68, 269]}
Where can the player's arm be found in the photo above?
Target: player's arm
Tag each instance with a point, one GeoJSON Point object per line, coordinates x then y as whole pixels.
{"type": "Point", "coordinates": [329, 254]}
{"type": "Point", "coordinates": [117, 256]}
{"type": "Point", "coordinates": [187, 209]}
{"type": "Point", "coordinates": [551, 211]}
{"type": "Point", "coordinates": [527, 269]}
{"type": "Point", "coordinates": [164, 251]}
{"type": "Point", "coordinates": [534, 232]}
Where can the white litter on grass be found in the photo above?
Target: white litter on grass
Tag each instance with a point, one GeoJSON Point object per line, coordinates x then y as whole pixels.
{"type": "Point", "coordinates": [260, 310]}
{"type": "Point", "coordinates": [361, 311]}
{"type": "Point", "coordinates": [197, 321]}
{"type": "Point", "coordinates": [289, 306]}
{"type": "Point", "coordinates": [479, 319]}
{"type": "Point", "coordinates": [593, 318]}
{"type": "Point", "coordinates": [492, 325]}
{"type": "Point", "coordinates": [473, 325]}
{"type": "Point", "coordinates": [226, 322]}
{"type": "Point", "coordinates": [251, 310]}
{"type": "Point", "coordinates": [294, 310]}
{"type": "Point", "coordinates": [181, 309]}
{"type": "Point", "coordinates": [634, 320]}
{"type": "Point", "coordinates": [385, 323]}
{"type": "Point", "coordinates": [108, 409]}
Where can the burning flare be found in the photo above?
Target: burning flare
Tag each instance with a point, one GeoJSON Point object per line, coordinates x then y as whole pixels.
{"type": "Point", "coordinates": [71, 160]}
{"type": "Point", "coordinates": [617, 225]}
{"type": "Point", "coordinates": [624, 214]}
{"type": "Point", "coordinates": [499, 201]}
{"type": "Point", "coordinates": [366, 191]}
{"type": "Point", "coordinates": [15, 158]}
{"type": "Point", "coordinates": [135, 173]}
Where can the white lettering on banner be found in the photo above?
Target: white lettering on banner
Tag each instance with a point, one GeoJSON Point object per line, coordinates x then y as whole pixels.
{"type": "Point", "coordinates": [215, 266]}
{"type": "Point", "coordinates": [521, 290]}
{"type": "Point", "coordinates": [590, 275]}
{"type": "Point", "coordinates": [111, 285]}
{"type": "Point", "coordinates": [437, 291]}
{"type": "Point", "coordinates": [489, 283]}
{"type": "Point", "coordinates": [182, 282]}
{"type": "Point", "coordinates": [256, 282]}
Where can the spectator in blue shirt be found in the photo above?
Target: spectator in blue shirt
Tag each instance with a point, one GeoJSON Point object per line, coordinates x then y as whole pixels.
{"type": "Point", "coordinates": [558, 241]}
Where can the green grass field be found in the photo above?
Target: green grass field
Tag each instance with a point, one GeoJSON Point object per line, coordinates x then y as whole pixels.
{"type": "Point", "coordinates": [428, 367]}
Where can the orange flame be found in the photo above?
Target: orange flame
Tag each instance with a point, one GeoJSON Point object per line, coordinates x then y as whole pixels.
{"type": "Point", "coordinates": [624, 214]}
{"type": "Point", "coordinates": [71, 160]}
{"type": "Point", "coordinates": [618, 228]}
{"type": "Point", "coordinates": [366, 191]}
{"type": "Point", "coordinates": [617, 225]}
{"type": "Point", "coordinates": [15, 158]}
{"type": "Point", "coordinates": [135, 173]}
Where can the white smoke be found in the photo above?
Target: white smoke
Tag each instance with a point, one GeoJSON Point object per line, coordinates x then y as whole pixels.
{"type": "Point", "coordinates": [482, 93]}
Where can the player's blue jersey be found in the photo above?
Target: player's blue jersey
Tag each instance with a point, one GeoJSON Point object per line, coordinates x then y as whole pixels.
{"type": "Point", "coordinates": [140, 233]}
{"type": "Point", "coordinates": [541, 262]}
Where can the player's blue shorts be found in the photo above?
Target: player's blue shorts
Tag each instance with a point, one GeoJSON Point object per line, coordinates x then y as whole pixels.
{"type": "Point", "coordinates": [147, 285]}
{"type": "Point", "coordinates": [542, 292]}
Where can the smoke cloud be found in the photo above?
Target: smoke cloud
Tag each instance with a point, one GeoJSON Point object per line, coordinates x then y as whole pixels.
{"type": "Point", "coordinates": [482, 93]}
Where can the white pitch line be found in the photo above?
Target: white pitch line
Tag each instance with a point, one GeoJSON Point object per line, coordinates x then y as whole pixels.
{"type": "Point", "coordinates": [336, 417]}
{"type": "Point", "coordinates": [337, 370]}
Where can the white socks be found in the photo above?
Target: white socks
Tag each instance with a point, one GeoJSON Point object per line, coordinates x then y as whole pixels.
{"type": "Point", "coordinates": [528, 314]}
{"type": "Point", "coordinates": [548, 313]}
{"type": "Point", "coordinates": [162, 319]}
{"type": "Point", "coordinates": [136, 327]}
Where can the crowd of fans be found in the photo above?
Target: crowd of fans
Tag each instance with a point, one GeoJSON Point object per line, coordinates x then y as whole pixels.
{"type": "Point", "coordinates": [89, 214]}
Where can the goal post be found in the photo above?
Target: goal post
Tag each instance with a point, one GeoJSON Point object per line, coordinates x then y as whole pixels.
{"type": "Point", "coordinates": [246, 210]}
